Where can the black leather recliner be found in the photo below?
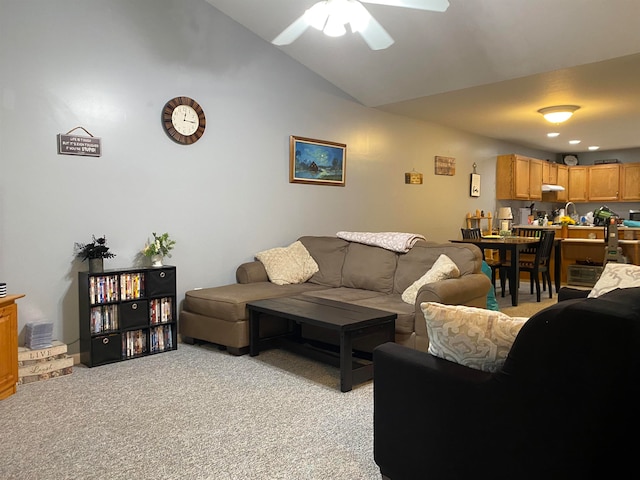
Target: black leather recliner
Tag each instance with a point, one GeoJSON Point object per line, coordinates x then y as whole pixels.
{"type": "Point", "coordinates": [564, 405]}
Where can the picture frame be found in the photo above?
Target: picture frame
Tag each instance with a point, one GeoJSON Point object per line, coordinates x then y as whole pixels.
{"type": "Point", "coordinates": [474, 189]}
{"type": "Point", "coordinates": [317, 162]}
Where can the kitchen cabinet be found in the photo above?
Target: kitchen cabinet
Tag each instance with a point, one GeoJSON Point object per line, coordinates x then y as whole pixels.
{"type": "Point", "coordinates": [563, 180]}
{"type": "Point", "coordinates": [550, 173]}
{"type": "Point", "coordinates": [518, 178]}
{"type": "Point", "coordinates": [604, 182]}
{"type": "Point", "coordinates": [578, 182]}
{"type": "Point", "coordinates": [630, 182]}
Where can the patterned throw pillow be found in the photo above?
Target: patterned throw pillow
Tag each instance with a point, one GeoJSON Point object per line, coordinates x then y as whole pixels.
{"type": "Point", "coordinates": [442, 269]}
{"type": "Point", "coordinates": [470, 336]}
{"type": "Point", "coordinates": [616, 275]}
{"type": "Point", "coordinates": [285, 265]}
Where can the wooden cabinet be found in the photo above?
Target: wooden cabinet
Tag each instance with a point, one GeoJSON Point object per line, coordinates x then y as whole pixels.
{"type": "Point", "coordinates": [126, 314]}
{"type": "Point", "coordinates": [604, 182]}
{"type": "Point", "coordinates": [518, 178]}
{"type": "Point", "coordinates": [578, 182]}
{"type": "Point", "coordinates": [630, 182]}
{"type": "Point", "coordinates": [563, 180]}
{"type": "Point", "coordinates": [550, 173]}
{"type": "Point", "coordinates": [8, 345]}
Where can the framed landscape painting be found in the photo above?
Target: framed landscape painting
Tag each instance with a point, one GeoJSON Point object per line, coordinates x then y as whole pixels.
{"type": "Point", "coordinates": [317, 161]}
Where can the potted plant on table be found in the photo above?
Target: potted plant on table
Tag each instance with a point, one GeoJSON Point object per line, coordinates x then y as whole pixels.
{"type": "Point", "coordinates": [158, 248]}
{"type": "Point", "coordinates": [95, 251]}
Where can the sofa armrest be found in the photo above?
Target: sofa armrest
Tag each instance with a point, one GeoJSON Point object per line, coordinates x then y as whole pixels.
{"type": "Point", "coordinates": [421, 406]}
{"type": "Point", "coordinates": [568, 293]}
{"type": "Point", "coordinates": [465, 290]}
{"type": "Point", "coordinates": [251, 272]}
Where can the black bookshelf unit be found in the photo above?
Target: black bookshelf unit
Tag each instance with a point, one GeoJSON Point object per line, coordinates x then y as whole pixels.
{"type": "Point", "coordinates": [127, 313]}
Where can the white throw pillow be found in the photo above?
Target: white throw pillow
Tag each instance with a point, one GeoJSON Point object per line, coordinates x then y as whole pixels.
{"type": "Point", "coordinates": [285, 265]}
{"type": "Point", "coordinates": [616, 275]}
{"type": "Point", "coordinates": [442, 269]}
{"type": "Point", "coordinates": [470, 336]}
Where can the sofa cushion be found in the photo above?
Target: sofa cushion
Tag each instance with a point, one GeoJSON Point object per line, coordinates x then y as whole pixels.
{"type": "Point", "coordinates": [405, 322]}
{"type": "Point", "coordinates": [285, 265]}
{"type": "Point", "coordinates": [329, 253]}
{"type": "Point", "coordinates": [616, 275]}
{"type": "Point", "coordinates": [369, 268]}
{"type": "Point", "coordinates": [470, 336]}
{"type": "Point", "coordinates": [441, 270]}
{"type": "Point", "coordinates": [229, 302]}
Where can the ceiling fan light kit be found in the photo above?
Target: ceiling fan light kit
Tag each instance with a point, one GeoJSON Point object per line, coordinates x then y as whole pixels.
{"type": "Point", "coordinates": [558, 113]}
{"type": "Point", "coordinates": [332, 16]}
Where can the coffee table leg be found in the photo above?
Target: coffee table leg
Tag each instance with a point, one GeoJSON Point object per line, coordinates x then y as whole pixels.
{"type": "Point", "coordinates": [346, 362]}
{"type": "Point", "coordinates": [254, 333]}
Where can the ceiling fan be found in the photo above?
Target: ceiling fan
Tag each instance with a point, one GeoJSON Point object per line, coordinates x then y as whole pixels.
{"type": "Point", "coordinates": [331, 17]}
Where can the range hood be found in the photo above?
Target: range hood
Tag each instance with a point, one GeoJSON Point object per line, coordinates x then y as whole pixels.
{"type": "Point", "coordinates": [552, 188]}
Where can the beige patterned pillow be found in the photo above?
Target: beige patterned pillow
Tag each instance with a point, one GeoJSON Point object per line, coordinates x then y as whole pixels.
{"type": "Point", "coordinates": [470, 336]}
{"type": "Point", "coordinates": [442, 269]}
{"type": "Point", "coordinates": [616, 275]}
{"type": "Point", "coordinates": [285, 265]}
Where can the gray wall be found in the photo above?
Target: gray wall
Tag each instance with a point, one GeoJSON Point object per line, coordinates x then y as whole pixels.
{"type": "Point", "coordinates": [110, 67]}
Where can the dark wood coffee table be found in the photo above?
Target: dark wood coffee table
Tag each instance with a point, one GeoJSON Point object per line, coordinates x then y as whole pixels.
{"type": "Point", "coordinates": [350, 321]}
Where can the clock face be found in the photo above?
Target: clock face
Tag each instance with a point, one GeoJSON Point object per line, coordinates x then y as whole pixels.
{"type": "Point", "coordinates": [183, 119]}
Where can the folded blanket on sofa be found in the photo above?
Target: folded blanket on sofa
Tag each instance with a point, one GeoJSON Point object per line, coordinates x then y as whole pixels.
{"type": "Point", "coordinates": [395, 241]}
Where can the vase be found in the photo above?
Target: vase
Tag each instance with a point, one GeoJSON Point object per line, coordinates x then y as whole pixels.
{"type": "Point", "coordinates": [156, 260]}
{"type": "Point", "coordinates": [564, 231]}
{"type": "Point", "coordinates": [96, 265]}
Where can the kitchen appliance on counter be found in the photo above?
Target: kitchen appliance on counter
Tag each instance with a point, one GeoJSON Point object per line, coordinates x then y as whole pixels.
{"type": "Point", "coordinates": [634, 215]}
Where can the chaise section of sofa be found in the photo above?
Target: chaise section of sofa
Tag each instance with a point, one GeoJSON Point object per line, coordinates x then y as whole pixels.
{"type": "Point", "coordinates": [348, 272]}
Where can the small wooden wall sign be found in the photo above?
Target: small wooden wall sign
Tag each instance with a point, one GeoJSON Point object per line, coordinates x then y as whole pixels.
{"type": "Point", "coordinates": [79, 144]}
{"type": "Point", "coordinates": [445, 166]}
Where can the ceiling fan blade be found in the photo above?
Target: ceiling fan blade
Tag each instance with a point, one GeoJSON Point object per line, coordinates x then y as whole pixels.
{"type": "Point", "coordinates": [433, 5]}
{"type": "Point", "coordinates": [292, 32]}
{"type": "Point", "coordinates": [375, 35]}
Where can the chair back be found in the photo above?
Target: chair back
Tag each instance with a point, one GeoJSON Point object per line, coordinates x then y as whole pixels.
{"type": "Point", "coordinates": [543, 253]}
{"type": "Point", "coordinates": [471, 233]}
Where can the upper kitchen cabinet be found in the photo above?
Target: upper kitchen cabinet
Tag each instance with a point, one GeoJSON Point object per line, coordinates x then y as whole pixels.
{"type": "Point", "coordinates": [578, 182]}
{"type": "Point", "coordinates": [630, 182]}
{"type": "Point", "coordinates": [604, 182]}
{"type": "Point", "coordinates": [518, 178]}
{"type": "Point", "coordinates": [563, 180]}
{"type": "Point", "coordinates": [550, 173]}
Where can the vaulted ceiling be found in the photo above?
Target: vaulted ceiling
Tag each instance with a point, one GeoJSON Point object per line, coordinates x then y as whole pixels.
{"type": "Point", "coordinates": [484, 66]}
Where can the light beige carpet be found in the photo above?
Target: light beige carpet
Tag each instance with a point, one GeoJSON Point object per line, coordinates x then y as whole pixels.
{"type": "Point", "coordinates": [527, 304]}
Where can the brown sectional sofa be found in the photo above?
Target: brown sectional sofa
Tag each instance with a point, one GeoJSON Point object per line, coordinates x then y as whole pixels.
{"type": "Point", "coordinates": [348, 272]}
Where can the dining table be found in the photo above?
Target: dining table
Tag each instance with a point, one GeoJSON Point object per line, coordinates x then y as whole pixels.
{"type": "Point", "coordinates": [515, 245]}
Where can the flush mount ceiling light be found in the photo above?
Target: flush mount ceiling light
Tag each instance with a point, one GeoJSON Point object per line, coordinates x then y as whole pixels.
{"type": "Point", "coordinates": [552, 134]}
{"type": "Point", "coordinates": [559, 113]}
{"type": "Point", "coordinates": [332, 16]}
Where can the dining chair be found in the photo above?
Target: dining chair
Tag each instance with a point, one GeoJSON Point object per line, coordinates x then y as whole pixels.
{"type": "Point", "coordinates": [536, 267]}
{"type": "Point", "coordinates": [475, 233]}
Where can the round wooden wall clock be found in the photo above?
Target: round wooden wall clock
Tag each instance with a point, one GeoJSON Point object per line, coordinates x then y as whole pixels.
{"type": "Point", "coordinates": [183, 119]}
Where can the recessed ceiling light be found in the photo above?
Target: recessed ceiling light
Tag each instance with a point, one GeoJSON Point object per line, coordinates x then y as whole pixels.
{"type": "Point", "coordinates": [574, 142]}
{"type": "Point", "coordinates": [552, 134]}
{"type": "Point", "coordinates": [594, 147]}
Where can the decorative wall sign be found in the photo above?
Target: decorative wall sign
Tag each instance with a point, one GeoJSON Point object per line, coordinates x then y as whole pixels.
{"type": "Point", "coordinates": [79, 144]}
{"type": "Point", "coordinates": [445, 165]}
{"type": "Point", "coordinates": [317, 161]}
{"type": "Point", "coordinates": [413, 178]}
{"type": "Point", "coordinates": [475, 185]}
